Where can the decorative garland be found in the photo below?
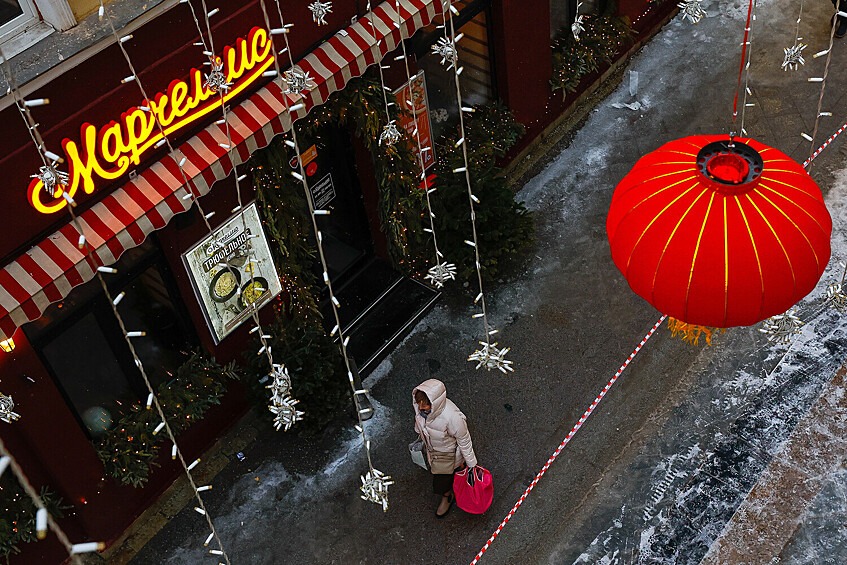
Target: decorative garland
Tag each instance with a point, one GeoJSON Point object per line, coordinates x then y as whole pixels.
{"type": "Point", "coordinates": [505, 227]}
{"type": "Point", "coordinates": [17, 519]}
{"type": "Point", "coordinates": [129, 449]}
{"type": "Point", "coordinates": [600, 39]}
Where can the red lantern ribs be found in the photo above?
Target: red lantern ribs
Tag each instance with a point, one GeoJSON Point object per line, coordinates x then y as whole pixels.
{"type": "Point", "coordinates": [717, 233]}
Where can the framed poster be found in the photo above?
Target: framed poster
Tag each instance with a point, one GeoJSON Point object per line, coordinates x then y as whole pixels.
{"type": "Point", "coordinates": [232, 271]}
{"type": "Point", "coordinates": [417, 116]}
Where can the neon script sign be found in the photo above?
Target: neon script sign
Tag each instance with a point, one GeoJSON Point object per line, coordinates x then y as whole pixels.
{"type": "Point", "coordinates": [110, 152]}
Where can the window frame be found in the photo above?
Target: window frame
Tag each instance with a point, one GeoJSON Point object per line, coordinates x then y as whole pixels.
{"type": "Point", "coordinates": [28, 18]}
{"type": "Point", "coordinates": [99, 305]}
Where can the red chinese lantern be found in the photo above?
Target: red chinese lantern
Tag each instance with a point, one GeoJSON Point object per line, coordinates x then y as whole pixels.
{"type": "Point", "coordinates": [719, 232]}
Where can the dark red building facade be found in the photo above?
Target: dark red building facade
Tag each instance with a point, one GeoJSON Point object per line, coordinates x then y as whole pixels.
{"type": "Point", "coordinates": [69, 362]}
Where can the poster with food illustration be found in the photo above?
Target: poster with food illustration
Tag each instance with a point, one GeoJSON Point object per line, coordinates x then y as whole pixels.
{"type": "Point", "coordinates": [232, 272]}
{"type": "Point", "coordinates": [417, 116]}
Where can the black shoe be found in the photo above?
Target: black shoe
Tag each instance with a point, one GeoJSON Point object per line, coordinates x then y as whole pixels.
{"type": "Point", "coordinates": [841, 29]}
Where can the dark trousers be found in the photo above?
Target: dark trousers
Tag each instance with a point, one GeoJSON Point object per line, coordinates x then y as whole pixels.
{"type": "Point", "coordinates": [842, 6]}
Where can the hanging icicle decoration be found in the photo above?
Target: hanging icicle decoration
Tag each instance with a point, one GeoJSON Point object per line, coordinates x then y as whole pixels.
{"type": "Point", "coordinates": [216, 80]}
{"type": "Point", "coordinates": [297, 81]}
{"type": "Point", "coordinates": [793, 57]}
{"type": "Point", "coordinates": [445, 49]}
{"type": "Point", "coordinates": [319, 11]}
{"type": "Point", "coordinates": [390, 134]}
{"type": "Point", "coordinates": [835, 297]}
{"type": "Point", "coordinates": [280, 383]}
{"type": "Point", "coordinates": [794, 54]}
{"type": "Point", "coordinates": [285, 413]}
{"type": "Point", "coordinates": [577, 27]}
{"type": "Point", "coordinates": [781, 328]}
{"type": "Point", "coordinates": [52, 178]}
{"type": "Point", "coordinates": [374, 487]}
{"type": "Point", "coordinates": [489, 355]}
{"type": "Point", "coordinates": [7, 409]}
{"type": "Point", "coordinates": [441, 273]}
{"type": "Point", "coordinates": [692, 10]}
{"type": "Point", "coordinates": [374, 484]}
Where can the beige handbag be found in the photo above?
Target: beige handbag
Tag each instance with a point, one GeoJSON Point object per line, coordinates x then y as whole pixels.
{"type": "Point", "coordinates": [442, 462]}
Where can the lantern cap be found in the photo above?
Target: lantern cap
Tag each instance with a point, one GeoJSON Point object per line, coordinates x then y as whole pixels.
{"type": "Point", "coordinates": [730, 166]}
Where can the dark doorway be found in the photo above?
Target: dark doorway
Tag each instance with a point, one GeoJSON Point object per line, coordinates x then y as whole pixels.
{"type": "Point", "coordinates": [328, 161]}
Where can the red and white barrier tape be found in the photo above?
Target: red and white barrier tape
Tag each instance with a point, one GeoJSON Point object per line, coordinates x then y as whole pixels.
{"type": "Point", "coordinates": [565, 441]}
{"type": "Point", "coordinates": [824, 146]}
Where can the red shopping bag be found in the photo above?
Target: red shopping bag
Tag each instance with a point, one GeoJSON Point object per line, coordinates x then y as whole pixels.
{"type": "Point", "coordinates": [474, 491]}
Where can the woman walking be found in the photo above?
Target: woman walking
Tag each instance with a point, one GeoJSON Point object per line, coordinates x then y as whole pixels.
{"type": "Point", "coordinates": [444, 431]}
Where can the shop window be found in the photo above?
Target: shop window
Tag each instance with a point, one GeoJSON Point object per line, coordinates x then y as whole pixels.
{"type": "Point", "coordinates": [478, 85]}
{"type": "Point", "coordinates": [82, 345]}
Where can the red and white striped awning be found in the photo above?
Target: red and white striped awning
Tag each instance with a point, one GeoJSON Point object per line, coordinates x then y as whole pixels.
{"type": "Point", "coordinates": [123, 219]}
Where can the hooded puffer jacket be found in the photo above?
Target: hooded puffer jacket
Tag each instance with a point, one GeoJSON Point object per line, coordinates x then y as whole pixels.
{"type": "Point", "coordinates": [446, 428]}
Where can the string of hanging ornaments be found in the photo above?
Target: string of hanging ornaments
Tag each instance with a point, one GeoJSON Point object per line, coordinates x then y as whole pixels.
{"type": "Point", "coordinates": [441, 271]}
{"type": "Point", "coordinates": [375, 483]}
{"type": "Point", "coordinates": [488, 355]}
{"type": "Point", "coordinates": [721, 230]}
{"type": "Point", "coordinates": [281, 404]}
{"type": "Point", "coordinates": [48, 171]}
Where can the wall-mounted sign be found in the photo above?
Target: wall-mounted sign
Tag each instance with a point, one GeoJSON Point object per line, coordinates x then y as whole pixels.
{"type": "Point", "coordinates": [323, 192]}
{"type": "Point", "coordinates": [231, 271]}
{"type": "Point", "coordinates": [418, 116]}
{"type": "Point", "coordinates": [108, 153]}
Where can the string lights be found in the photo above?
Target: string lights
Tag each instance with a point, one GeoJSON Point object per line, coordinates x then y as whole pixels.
{"type": "Point", "coordinates": [747, 49]}
{"type": "Point", "coordinates": [281, 404]}
{"type": "Point", "coordinates": [43, 519]}
{"type": "Point", "coordinates": [489, 355]}
{"type": "Point", "coordinates": [375, 483]}
{"type": "Point", "coordinates": [822, 80]}
{"type": "Point", "coordinates": [441, 271]}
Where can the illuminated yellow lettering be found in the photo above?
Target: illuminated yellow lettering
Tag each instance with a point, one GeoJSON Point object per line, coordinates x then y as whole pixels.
{"type": "Point", "coordinates": [120, 144]}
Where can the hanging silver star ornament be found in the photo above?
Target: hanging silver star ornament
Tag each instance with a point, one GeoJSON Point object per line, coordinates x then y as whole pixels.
{"type": "Point", "coordinates": [390, 134]}
{"type": "Point", "coordinates": [491, 357]}
{"type": "Point", "coordinates": [446, 49]}
{"type": "Point", "coordinates": [693, 10]}
{"type": "Point", "coordinates": [577, 27]}
{"type": "Point", "coordinates": [216, 80]}
{"type": "Point", "coordinates": [51, 178]}
{"type": "Point", "coordinates": [375, 487]}
{"type": "Point", "coordinates": [782, 328]}
{"type": "Point", "coordinates": [297, 81]}
{"type": "Point", "coordinates": [7, 409]}
{"type": "Point", "coordinates": [441, 273]}
{"type": "Point", "coordinates": [285, 413]}
{"type": "Point", "coordinates": [835, 297]}
{"type": "Point", "coordinates": [793, 57]}
{"type": "Point", "coordinates": [280, 384]}
{"type": "Point", "coordinates": [319, 11]}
